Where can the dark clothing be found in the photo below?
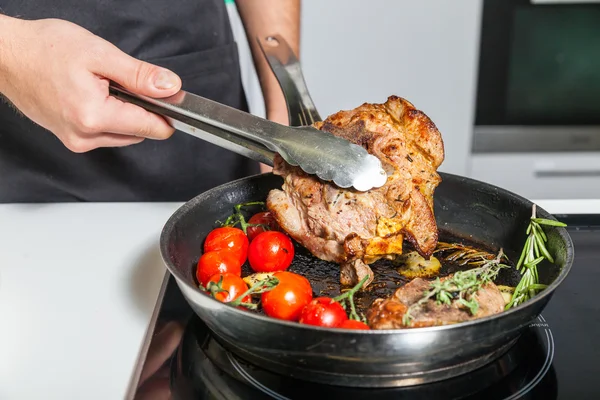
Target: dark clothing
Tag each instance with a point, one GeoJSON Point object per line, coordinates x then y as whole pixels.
{"type": "Point", "coordinates": [191, 37]}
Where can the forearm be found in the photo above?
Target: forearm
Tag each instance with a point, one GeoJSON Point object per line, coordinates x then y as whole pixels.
{"type": "Point", "coordinates": [8, 26]}
{"type": "Point", "coordinates": [262, 18]}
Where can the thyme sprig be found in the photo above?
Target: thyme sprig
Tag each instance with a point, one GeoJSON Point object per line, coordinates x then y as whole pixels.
{"type": "Point", "coordinates": [238, 217]}
{"type": "Point", "coordinates": [348, 297]}
{"type": "Point", "coordinates": [461, 286]}
{"type": "Point", "coordinates": [262, 286]}
{"type": "Point", "coordinates": [534, 252]}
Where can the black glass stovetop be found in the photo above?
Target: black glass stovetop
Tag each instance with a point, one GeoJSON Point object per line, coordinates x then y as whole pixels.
{"type": "Point", "coordinates": [556, 358]}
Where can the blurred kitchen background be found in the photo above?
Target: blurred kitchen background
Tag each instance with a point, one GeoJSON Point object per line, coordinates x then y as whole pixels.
{"type": "Point", "coordinates": [513, 85]}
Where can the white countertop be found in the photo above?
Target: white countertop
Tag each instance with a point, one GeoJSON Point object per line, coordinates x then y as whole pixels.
{"type": "Point", "coordinates": [79, 285]}
{"type": "Point", "coordinates": [78, 288]}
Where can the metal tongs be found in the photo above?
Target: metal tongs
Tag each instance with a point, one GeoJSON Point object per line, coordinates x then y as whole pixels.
{"type": "Point", "coordinates": [317, 152]}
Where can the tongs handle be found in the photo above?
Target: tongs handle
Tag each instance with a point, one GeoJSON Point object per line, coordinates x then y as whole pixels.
{"type": "Point", "coordinates": [217, 123]}
{"type": "Point", "coordinates": [288, 71]}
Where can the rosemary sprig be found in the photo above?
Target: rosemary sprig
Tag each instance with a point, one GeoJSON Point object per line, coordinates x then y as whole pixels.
{"type": "Point", "coordinates": [534, 252]}
{"type": "Point", "coordinates": [461, 287]}
{"type": "Point", "coordinates": [348, 297]}
{"type": "Point", "coordinates": [461, 254]}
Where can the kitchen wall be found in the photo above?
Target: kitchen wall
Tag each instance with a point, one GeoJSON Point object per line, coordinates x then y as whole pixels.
{"type": "Point", "coordinates": [354, 51]}
{"type": "Point", "coordinates": [427, 51]}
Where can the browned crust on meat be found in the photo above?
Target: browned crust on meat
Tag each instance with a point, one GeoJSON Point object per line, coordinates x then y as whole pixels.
{"type": "Point", "coordinates": [389, 313]}
{"type": "Point", "coordinates": [343, 225]}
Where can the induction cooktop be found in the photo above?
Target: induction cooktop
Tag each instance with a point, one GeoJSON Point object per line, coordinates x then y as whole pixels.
{"type": "Point", "coordinates": [555, 358]}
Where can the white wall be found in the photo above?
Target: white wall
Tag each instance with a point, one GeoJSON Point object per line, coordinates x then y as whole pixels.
{"type": "Point", "coordinates": [356, 51]}
{"type": "Point", "coordinates": [249, 78]}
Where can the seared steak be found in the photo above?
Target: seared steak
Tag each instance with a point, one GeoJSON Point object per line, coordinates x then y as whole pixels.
{"type": "Point", "coordinates": [357, 228]}
{"type": "Point", "coordinates": [389, 313]}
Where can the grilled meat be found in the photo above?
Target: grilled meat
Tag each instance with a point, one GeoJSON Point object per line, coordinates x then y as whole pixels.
{"type": "Point", "coordinates": [389, 313]}
{"type": "Point", "coordinates": [353, 228]}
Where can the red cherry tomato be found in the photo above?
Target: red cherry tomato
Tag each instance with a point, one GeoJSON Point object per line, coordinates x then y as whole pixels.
{"type": "Point", "coordinates": [233, 287]}
{"type": "Point", "coordinates": [228, 238]}
{"type": "Point", "coordinates": [262, 218]}
{"type": "Point", "coordinates": [353, 324]}
{"type": "Point", "coordinates": [323, 311]}
{"type": "Point", "coordinates": [217, 262]}
{"type": "Point", "coordinates": [270, 251]}
{"type": "Point", "coordinates": [288, 298]}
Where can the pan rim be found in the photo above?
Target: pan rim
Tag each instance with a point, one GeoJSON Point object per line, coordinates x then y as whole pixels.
{"type": "Point", "coordinates": [549, 291]}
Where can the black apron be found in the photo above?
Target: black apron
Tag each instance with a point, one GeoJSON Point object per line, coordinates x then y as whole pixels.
{"type": "Point", "coordinates": [191, 37]}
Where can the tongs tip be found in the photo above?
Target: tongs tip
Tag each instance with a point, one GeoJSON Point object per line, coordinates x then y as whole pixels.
{"type": "Point", "coordinates": [373, 175]}
{"type": "Point", "coordinates": [336, 159]}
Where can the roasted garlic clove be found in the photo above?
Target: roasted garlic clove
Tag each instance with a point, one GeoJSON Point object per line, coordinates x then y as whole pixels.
{"type": "Point", "coordinates": [412, 265]}
{"type": "Point", "coordinates": [507, 292]}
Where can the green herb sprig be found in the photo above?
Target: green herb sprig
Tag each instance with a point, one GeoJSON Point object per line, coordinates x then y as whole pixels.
{"type": "Point", "coordinates": [534, 252]}
{"type": "Point", "coordinates": [348, 297]}
{"type": "Point", "coordinates": [262, 286]}
{"type": "Point", "coordinates": [462, 255]}
{"type": "Point", "coordinates": [238, 217]}
{"type": "Point", "coordinates": [461, 286]}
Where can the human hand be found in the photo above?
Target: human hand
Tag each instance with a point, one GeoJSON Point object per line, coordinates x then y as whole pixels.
{"type": "Point", "coordinates": [57, 74]}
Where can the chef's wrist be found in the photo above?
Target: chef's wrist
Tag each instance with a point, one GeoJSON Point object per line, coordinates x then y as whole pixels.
{"type": "Point", "coordinates": [275, 104]}
{"type": "Point", "coordinates": [278, 114]}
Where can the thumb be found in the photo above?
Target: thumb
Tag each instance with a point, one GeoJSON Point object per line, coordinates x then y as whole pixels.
{"type": "Point", "coordinates": [137, 76]}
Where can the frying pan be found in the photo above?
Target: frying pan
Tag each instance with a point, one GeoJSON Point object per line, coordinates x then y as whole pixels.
{"type": "Point", "coordinates": [464, 208]}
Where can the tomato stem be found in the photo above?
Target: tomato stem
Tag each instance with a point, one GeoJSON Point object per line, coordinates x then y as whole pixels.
{"type": "Point", "coordinates": [237, 216]}
{"type": "Point", "coordinates": [349, 297]}
{"type": "Point", "coordinates": [262, 286]}
{"type": "Point", "coordinates": [215, 287]}
{"type": "Point", "coordinates": [264, 226]}
{"type": "Point", "coordinates": [352, 291]}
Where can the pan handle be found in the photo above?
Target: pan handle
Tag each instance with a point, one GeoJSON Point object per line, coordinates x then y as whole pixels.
{"type": "Point", "coordinates": [288, 72]}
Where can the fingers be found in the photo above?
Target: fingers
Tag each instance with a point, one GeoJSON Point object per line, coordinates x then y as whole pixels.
{"type": "Point", "coordinates": [107, 121]}
{"type": "Point", "coordinates": [129, 119]}
{"type": "Point", "coordinates": [78, 144]}
{"type": "Point", "coordinates": [135, 75]}
{"type": "Point", "coordinates": [110, 122]}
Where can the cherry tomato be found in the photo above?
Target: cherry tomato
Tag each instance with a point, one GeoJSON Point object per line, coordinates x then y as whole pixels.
{"type": "Point", "coordinates": [323, 311]}
{"type": "Point", "coordinates": [233, 285]}
{"type": "Point", "coordinates": [228, 238]}
{"type": "Point", "coordinates": [270, 251]}
{"type": "Point", "coordinates": [353, 324]}
{"type": "Point", "coordinates": [288, 298]}
{"type": "Point", "coordinates": [263, 218]}
{"type": "Point", "coordinates": [217, 262]}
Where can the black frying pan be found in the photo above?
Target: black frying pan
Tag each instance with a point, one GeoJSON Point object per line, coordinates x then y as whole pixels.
{"type": "Point", "coordinates": [463, 207]}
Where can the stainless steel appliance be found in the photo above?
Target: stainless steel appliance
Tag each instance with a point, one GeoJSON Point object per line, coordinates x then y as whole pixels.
{"type": "Point", "coordinates": [539, 77]}
{"type": "Point", "coordinates": [537, 107]}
